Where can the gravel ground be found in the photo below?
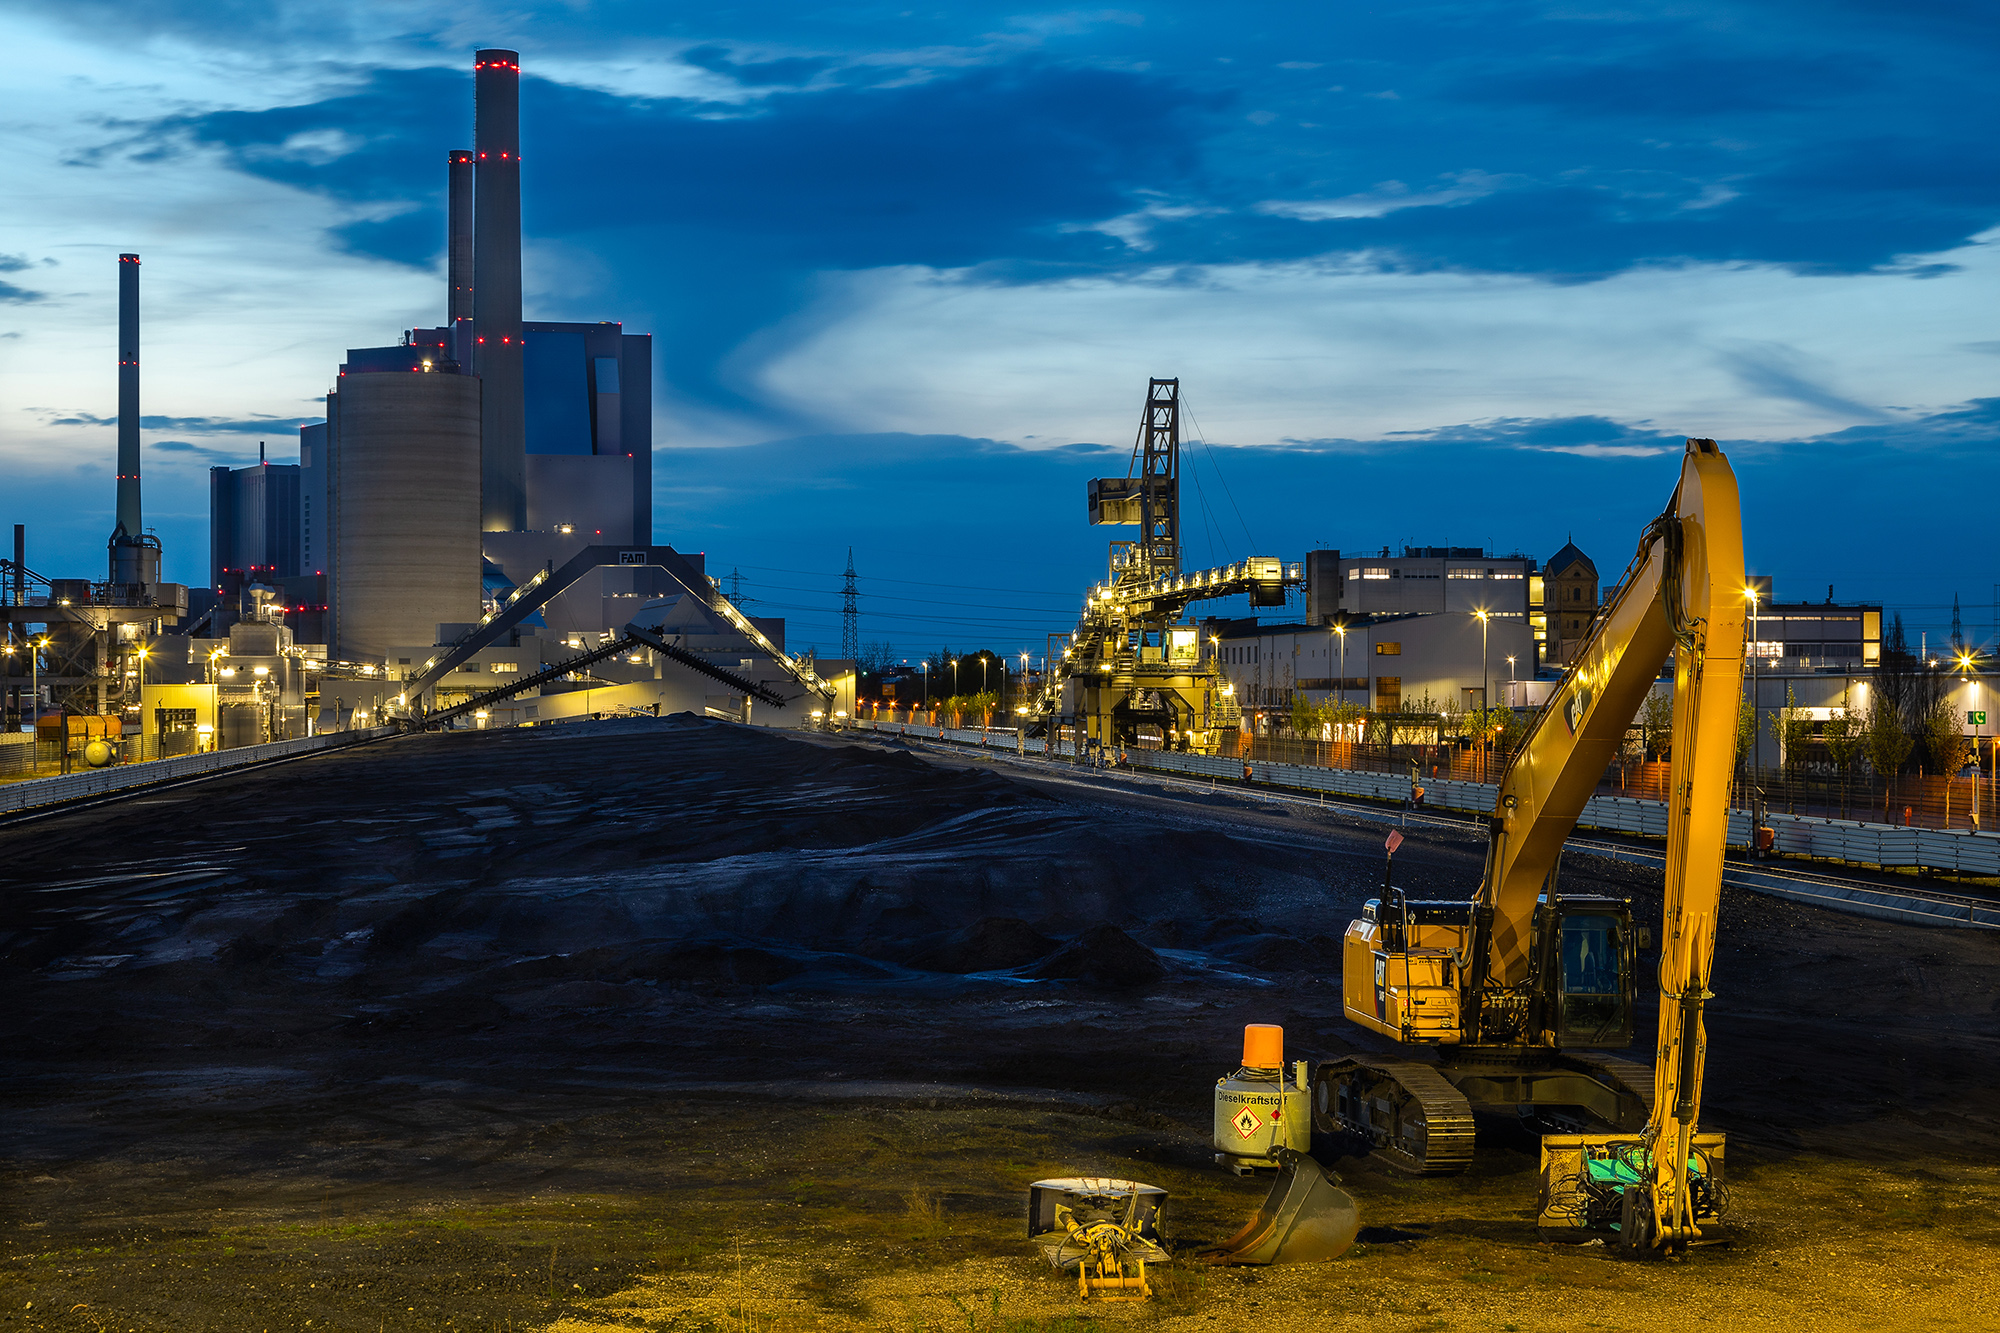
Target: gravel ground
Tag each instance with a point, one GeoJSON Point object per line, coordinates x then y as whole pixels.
{"type": "Point", "coordinates": [681, 1024]}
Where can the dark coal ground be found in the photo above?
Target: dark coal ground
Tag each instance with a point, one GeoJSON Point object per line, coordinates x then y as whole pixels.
{"type": "Point", "coordinates": [386, 973]}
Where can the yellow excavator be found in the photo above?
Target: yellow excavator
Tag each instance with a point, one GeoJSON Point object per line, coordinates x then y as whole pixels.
{"type": "Point", "coordinates": [1524, 991]}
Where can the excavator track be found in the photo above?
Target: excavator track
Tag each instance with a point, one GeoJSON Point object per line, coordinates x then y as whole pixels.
{"type": "Point", "coordinates": [1416, 1120]}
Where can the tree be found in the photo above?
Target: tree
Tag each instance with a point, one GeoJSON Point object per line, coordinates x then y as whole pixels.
{"type": "Point", "coordinates": [1308, 717]}
{"type": "Point", "coordinates": [1346, 716]}
{"type": "Point", "coordinates": [1945, 744]}
{"type": "Point", "coordinates": [1656, 724]}
{"type": "Point", "coordinates": [1846, 738]}
{"type": "Point", "coordinates": [1888, 742]}
{"type": "Point", "coordinates": [1746, 727]}
{"type": "Point", "coordinates": [1791, 728]}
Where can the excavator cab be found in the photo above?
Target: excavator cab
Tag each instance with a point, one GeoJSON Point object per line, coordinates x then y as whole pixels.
{"type": "Point", "coordinates": [1411, 972]}
{"type": "Point", "coordinates": [1587, 974]}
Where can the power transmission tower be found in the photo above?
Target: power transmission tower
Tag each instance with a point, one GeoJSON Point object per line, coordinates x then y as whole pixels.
{"type": "Point", "coordinates": [850, 615]}
{"type": "Point", "coordinates": [736, 596]}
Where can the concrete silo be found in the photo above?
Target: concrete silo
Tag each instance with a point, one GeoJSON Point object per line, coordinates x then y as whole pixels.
{"type": "Point", "coordinates": [403, 486]}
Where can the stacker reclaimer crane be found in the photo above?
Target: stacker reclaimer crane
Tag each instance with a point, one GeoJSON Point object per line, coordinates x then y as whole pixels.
{"type": "Point", "coordinates": [1131, 662]}
{"type": "Point", "coordinates": [1522, 990]}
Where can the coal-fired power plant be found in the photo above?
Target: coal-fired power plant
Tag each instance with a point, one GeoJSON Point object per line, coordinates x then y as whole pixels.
{"type": "Point", "coordinates": [459, 470]}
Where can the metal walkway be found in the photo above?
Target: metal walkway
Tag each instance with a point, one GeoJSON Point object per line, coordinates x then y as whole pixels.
{"type": "Point", "coordinates": [634, 637]}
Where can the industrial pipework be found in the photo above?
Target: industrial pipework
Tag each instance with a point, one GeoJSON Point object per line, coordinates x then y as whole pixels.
{"type": "Point", "coordinates": [496, 291]}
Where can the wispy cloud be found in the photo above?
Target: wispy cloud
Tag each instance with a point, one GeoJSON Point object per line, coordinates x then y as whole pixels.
{"type": "Point", "coordinates": [270, 426]}
{"type": "Point", "coordinates": [1774, 370]}
{"type": "Point", "coordinates": [1388, 197]}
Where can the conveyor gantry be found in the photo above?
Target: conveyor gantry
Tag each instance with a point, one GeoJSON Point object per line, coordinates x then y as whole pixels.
{"type": "Point", "coordinates": [533, 594]}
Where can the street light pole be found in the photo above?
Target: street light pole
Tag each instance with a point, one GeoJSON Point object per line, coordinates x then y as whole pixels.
{"type": "Point", "coordinates": [35, 679]}
{"type": "Point", "coordinates": [1340, 631]}
{"type": "Point", "coordinates": [1485, 704]}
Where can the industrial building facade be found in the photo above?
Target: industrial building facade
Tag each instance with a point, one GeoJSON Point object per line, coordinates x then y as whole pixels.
{"type": "Point", "coordinates": [1383, 664]}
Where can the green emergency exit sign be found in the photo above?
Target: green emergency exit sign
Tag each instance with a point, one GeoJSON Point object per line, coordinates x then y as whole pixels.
{"type": "Point", "coordinates": [1976, 719]}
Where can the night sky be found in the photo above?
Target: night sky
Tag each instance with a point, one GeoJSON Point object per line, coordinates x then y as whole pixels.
{"type": "Point", "coordinates": [1439, 273]}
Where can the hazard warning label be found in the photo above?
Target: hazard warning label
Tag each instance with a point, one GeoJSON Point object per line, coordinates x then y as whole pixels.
{"type": "Point", "coordinates": [1246, 1122]}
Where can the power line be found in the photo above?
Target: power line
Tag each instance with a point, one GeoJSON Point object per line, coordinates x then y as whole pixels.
{"type": "Point", "coordinates": [916, 583]}
{"type": "Point", "coordinates": [1231, 495]}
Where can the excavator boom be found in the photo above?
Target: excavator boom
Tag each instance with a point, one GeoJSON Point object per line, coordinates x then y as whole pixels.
{"type": "Point", "coordinates": [1686, 593]}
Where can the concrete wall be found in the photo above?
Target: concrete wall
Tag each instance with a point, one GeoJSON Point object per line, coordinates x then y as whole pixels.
{"type": "Point", "coordinates": [404, 480]}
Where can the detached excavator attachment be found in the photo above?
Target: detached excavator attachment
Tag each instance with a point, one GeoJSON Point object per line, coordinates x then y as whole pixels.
{"type": "Point", "coordinates": [1306, 1218]}
{"type": "Point", "coordinates": [1600, 1183]}
{"type": "Point", "coordinates": [1107, 1230]}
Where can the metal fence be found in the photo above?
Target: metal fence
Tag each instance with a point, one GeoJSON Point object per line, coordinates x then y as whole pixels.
{"type": "Point", "coordinates": [35, 792]}
{"type": "Point", "coordinates": [33, 757]}
{"type": "Point", "coordinates": [1947, 851]}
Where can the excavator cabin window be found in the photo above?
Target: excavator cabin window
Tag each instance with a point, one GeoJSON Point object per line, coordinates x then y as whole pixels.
{"type": "Point", "coordinates": [1594, 1005]}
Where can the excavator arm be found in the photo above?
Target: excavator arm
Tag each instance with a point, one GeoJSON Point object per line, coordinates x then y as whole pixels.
{"type": "Point", "coordinates": [1683, 594]}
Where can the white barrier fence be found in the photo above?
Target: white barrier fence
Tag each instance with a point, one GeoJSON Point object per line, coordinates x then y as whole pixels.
{"type": "Point", "coordinates": [1950, 851]}
{"type": "Point", "coordinates": [35, 792]}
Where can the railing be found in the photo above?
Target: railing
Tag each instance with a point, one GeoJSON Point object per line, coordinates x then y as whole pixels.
{"type": "Point", "coordinates": [1946, 851]}
{"type": "Point", "coordinates": [36, 792]}
{"type": "Point", "coordinates": [31, 756]}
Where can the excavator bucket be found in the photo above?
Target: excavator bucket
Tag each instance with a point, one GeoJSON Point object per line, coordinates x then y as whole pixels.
{"type": "Point", "coordinates": [1305, 1219]}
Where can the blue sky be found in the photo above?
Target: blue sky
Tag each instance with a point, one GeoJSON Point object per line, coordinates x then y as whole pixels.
{"type": "Point", "coordinates": [1428, 272]}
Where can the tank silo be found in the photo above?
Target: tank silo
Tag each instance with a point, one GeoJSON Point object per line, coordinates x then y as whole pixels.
{"type": "Point", "coordinates": [403, 487]}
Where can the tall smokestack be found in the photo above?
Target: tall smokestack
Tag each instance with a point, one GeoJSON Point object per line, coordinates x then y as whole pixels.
{"type": "Point", "coordinates": [496, 290]}
{"type": "Point", "coordinates": [459, 247]}
{"type": "Point", "coordinates": [130, 522]}
{"type": "Point", "coordinates": [135, 557]}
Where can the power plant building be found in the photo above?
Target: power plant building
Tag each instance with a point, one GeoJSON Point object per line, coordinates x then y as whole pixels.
{"type": "Point", "coordinates": [254, 522]}
{"type": "Point", "coordinates": [403, 477]}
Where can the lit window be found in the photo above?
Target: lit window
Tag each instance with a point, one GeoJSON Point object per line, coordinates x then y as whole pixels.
{"type": "Point", "coordinates": [1389, 648]}
{"type": "Point", "coordinates": [1374, 571]}
{"type": "Point", "coordinates": [505, 668]}
{"type": "Point", "coordinates": [1465, 572]}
